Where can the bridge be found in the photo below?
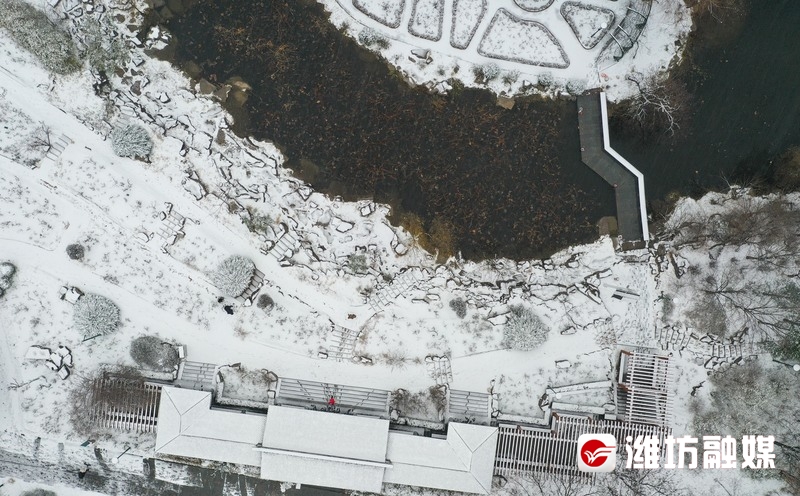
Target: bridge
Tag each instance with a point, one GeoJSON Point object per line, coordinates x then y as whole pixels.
{"type": "Point", "coordinates": [627, 181]}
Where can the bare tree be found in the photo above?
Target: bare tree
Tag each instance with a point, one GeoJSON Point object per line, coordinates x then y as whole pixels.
{"type": "Point", "coordinates": [768, 228]}
{"type": "Point", "coordinates": [660, 104]}
{"type": "Point", "coordinates": [41, 138]}
{"type": "Point", "coordinates": [769, 310]}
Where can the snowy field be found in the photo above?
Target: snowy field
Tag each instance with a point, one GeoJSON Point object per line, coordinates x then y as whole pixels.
{"type": "Point", "coordinates": [525, 46]}
{"type": "Point", "coordinates": [354, 300]}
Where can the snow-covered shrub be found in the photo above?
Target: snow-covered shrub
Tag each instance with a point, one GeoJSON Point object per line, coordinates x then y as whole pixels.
{"type": "Point", "coordinates": [546, 80]}
{"type": "Point", "coordinates": [510, 77]}
{"type": "Point", "coordinates": [369, 38]}
{"type": "Point", "coordinates": [75, 251]}
{"type": "Point", "coordinates": [256, 221]}
{"type": "Point", "coordinates": [233, 275]}
{"type": "Point", "coordinates": [95, 315]}
{"type": "Point", "coordinates": [576, 86]}
{"type": "Point", "coordinates": [485, 73]}
{"type": "Point", "coordinates": [153, 353]}
{"type": "Point", "coordinates": [357, 263]}
{"type": "Point", "coordinates": [7, 271]}
{"type": "Point", "coordinates": [524, 329]}
{"type": "Point", "coordinates": [36, 33]}
{"type": "Point", "coordinates": [131, 140]}
{"type": "Point", "coordinates": [459, 306]}
{"type": "Point", "coordinates": [265, 302]}
{"type": "Point", "coordinates": [38, 492]}
{"type": "Point", "coordinates": [104, 48]}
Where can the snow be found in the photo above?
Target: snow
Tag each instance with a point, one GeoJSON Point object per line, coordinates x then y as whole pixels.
{"type": "Point", "coordinates": [134, 256]}
{"type": "Point", "coordinates": [536, 44]}
{"type": "Point", "coordinates": [463, 461]}
{"type": "Point", "coordinates": [188, 427]}
{"type": "Point", "coordinates": [16, 487]}
{"type": "Point", "coordinates": [293, 429]}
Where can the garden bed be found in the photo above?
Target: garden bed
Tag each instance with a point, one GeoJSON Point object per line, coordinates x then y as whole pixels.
{"type": "Point", "coordinates": [467, 16]}
{"type": "Point", "coordinates": [589, 23]}
{"type": "Point", "coordinates": [528, 42]}
{"type": "Point", "coordinates": [243, 387]}
{"type": "Point", "coordinates": [387, 12]}
{"type": "Point", "coordinates": [426, 19]}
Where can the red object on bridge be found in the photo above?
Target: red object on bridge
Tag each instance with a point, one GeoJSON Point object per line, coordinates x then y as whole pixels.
{"type": "Point", "coordinates": [332, 401]}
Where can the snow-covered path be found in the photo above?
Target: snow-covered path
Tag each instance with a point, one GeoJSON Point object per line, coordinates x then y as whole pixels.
{"type": "Point", "coordinates": [82, 210]}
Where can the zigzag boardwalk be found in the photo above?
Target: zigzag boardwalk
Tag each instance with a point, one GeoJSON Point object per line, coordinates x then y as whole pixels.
{"type": "Point", "coordinates": [593, 154]}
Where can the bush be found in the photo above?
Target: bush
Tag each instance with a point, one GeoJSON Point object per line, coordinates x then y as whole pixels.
{"type": "Point", "coordinates": [546, 80]}
{"type": "Point", "coordinates": [510, 77]}
{"type": "Point", "coordinates": [7, 271]}
{"type": "Point", "coordinates": [153, 353]}
{"type": "Point", "coordinates": [576, 86]}
{"type": "Point", "coordinates": [257, 222]}
{"type": "Point", "coordinates": [234, 275]}
{"type": "Point", "coordinates": [104, 49]}
{"type": "Point", "coordinates": [485, 73]}
{"type": "Point", "coordinates": [95, 315]}
{"type": "Point", "coordinates": [357, 263]}
{"type": "Point", "coordinates": [369, 37]}
{"type": "Point", "coordinates": [131, 140]}
{"type": "Point", "coordinates": [35, 32]}
{"type": "Point", "coordinates": [38, 492]}
{"type": "Point", "coordinates": [459, 306]}
{"type": "Point", "coordinates": [75, 251]}
{"type": "Point", "coordinates": [524, 329]}
{"type": "Point", "coordinates": [265, 302]}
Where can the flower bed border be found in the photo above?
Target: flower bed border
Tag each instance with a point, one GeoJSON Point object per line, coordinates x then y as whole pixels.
{"type": "Point", "coordinates": [519, 59]}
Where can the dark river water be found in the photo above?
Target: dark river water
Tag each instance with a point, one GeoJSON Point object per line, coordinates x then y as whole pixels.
{"type": "Point", "coordinates": [745, 81]}
{"type": "Point", "coordinates": [484, 180]}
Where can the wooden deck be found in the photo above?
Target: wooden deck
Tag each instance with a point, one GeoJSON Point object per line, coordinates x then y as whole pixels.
{"type": "Point", "coordinates": [624, 182]}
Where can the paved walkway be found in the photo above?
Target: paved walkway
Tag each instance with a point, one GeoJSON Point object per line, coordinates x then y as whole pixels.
{"type": "Point", "coordinates": [625, 183]}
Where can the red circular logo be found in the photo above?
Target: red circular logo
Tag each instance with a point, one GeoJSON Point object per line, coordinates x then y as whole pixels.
{"type": "Point", "coordinates": [594, 452]}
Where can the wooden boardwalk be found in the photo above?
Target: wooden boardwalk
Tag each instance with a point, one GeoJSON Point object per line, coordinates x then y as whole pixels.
{"type": "Point", "coordinates": [631, 221]}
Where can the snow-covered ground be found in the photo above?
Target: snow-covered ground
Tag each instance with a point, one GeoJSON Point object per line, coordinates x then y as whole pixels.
{"type": "Point", "coordinates": [16, 487]}
{"type": "Point", "coordinates": [517, 47]}
{"type": "Point", "coordinates": [396, 300]}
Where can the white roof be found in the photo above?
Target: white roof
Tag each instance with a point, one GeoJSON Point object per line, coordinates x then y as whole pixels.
{"type": "Point", "coordinates": [464, 461]}
{"type": "Point", "coordinates": [324, 449]}
{"type": "Point", "coordinates": [188, 427]}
